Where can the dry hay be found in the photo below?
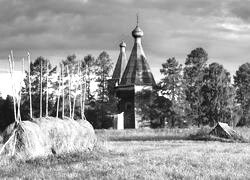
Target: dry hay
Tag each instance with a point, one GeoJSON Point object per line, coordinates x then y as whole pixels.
{"type": "Point", "coordinates": [46, 136]}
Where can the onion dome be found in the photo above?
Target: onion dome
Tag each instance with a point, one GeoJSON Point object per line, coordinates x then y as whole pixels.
{"type": "Point", "coordinates": [122, 44]}
{"type": "Point", "coordinates": [137, 71]}
{"type": "Point", "coordinates": [120, 64]}
{"type": "Point", "coordinates": [137, 32]}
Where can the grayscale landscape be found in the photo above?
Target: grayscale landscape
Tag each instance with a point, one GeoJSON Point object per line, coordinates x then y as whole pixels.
{"type": "Point", "coordinates": [145, 89]}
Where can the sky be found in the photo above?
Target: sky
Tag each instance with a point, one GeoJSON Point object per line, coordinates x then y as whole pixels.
{"type": "Point", "coordinates": [172, 28]}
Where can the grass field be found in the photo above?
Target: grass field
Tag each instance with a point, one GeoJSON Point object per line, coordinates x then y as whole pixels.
{"type": "Point", "coordinates": [142, 154]}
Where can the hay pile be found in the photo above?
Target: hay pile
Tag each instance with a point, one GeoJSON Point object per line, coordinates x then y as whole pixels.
{"type": "Point", "coordinates": [46, 136]}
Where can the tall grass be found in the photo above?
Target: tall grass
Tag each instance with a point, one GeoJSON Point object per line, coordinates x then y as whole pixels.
{"type": "Point", "coordinates": [244, 131]}
{"type": "Point", "coordinates": [190, 133]}
{"type": "Point", "coordinates": [126, 155]}
{"type": "Point", "coordinates": [146, 134]}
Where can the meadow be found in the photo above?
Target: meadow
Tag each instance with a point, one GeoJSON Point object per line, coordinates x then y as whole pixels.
{"type": "Point", "coordinates": [141, 154]}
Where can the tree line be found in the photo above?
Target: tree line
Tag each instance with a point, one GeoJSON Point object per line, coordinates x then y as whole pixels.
{"type": "Point", "coordinates": [66, 78]}
{"type": "Point", "coordinates": [195, 93]}
{"type": "Point", "coordinates": [200, 94]}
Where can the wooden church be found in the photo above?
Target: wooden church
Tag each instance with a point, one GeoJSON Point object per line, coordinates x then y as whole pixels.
{"type": "Point", "coordinates": [133, 82]}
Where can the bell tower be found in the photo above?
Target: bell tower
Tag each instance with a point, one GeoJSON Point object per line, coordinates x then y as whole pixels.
{"type": "Point", "coordinates": [136, 84]}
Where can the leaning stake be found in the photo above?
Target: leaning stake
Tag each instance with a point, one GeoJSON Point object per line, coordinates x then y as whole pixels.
{"type": "Point", "coordinates": [84, 90]}
{"type": "Point", "coordinates": [74, 100]}
{"type": "Point", "coordinates": [62, 70]}
{"type": "Point", "coordinates": [41, 89]}
{"type": "Point", "coordinates": [31, 114]}
{"type": "Point", "coordinates": [69, 74]}
{"type": "Point", "coordinates": [58, 96]}
{"type": "Point", "coordinates": [11, 64]}
{"type": "Point", "coordinates": [47, 89]}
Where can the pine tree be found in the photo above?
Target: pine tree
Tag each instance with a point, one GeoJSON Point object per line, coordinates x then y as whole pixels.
{"type": "Point", "coordinates": [216, 95]}
{"type": "Point", "coordinates": [35, 69]}
{"type": "Point", "coordinates": [172, 86]}
{"type": "Point", "coordinates": [89, 61]}
{"type": "Point", "coordinates": [242, 85]}
{"type": "Point", "coordinates": [193, 75]}
{"type": "Point", "coordinates": [171, 83]}
{"type": "Point", "coordinates": [73, 80]}
{"type": "Point", "coordinates": [104, 65]}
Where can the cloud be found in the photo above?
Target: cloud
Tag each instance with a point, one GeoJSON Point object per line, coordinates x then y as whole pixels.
{"type": "Point", "coordinates": [63, 23]}
{"type": "Point", "coordinates": [240, 9]}
{"type": "Point", "coordinates": [55, 29]}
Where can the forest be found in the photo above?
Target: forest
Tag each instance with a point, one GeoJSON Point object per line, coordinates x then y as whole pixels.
{"type": "Point", "coordinates": [191, 94]}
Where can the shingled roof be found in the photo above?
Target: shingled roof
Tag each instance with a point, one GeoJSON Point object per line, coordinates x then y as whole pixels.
{"type": "Point", "coordinates": [120, 64]}
{"type": "Point", "coordinates": [137, 71]}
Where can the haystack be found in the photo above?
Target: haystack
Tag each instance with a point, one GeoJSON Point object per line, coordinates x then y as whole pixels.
{"type": "Point", "coordinates": [46, 136]}
{"type": "Point", "coordinates": [222, 130]}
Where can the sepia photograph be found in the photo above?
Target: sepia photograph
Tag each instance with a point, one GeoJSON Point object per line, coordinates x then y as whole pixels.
{"type": "Point", "coordinates": [125, 89]}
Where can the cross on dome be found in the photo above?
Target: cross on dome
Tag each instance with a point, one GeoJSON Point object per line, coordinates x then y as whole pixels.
{"type": "Point", "coordinates": [137, 32]}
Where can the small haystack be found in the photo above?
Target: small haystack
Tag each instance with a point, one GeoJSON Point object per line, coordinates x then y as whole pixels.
{"type": "Point", "coordinates": [46, 136]}
{"type": "Point", "coordinates": [222, 130]}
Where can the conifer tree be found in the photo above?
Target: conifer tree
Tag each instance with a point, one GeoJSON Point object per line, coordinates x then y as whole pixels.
{"type": "Point", "coordinates": [89, 61]}
{"type": "Point", "coordinates": [35, 69]}
{"type": "Point", "coordinates": [171, 85]}
{"type": "Point", "coordinates": [216, 95]}
{"type": "Point", "coordinates": [103, 68]}
{"type": "Point", "coordinates": [242, 85]}
{"type": "Point", "coordinates": [193, 75]}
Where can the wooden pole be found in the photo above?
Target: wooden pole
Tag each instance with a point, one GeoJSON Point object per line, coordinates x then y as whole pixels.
{"type": "Point", "coordinates": [62, 75]}
{"type": "Point", "coordinates": [85, 87]}
{"type": "Point", "coordinates": [14, 145]}
{"type": "Point", "coordinates": [76, 87]}
{"type": "Point", "coordinates": [80, 82]}
{"type": "Point", "coordinates": [31, 113]}
{"type": "Point", "coordinates": [9, 140]}
{"type": "Point", "coordinates": [13, 91]}
{"type": "Point", "coordinates": [47, 88]}
{"type": "Point", "coordinates": [69, 86]}
{"type": "Point", "coordinates": [73, 106]}
{"type": "Point", "coordinates": [58, 96]}
{"type": "Point", "coordinates": [14, 84]}
{"type": "Point", "coordinates": [41, 89]}
{"type": "Point", "coordinates": [20, 96]}
{"type": "Point", "coordinates": [82, 113]}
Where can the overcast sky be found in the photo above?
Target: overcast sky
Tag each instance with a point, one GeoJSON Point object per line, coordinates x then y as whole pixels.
{"type": "Point", "coordinates": [172, 28]}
